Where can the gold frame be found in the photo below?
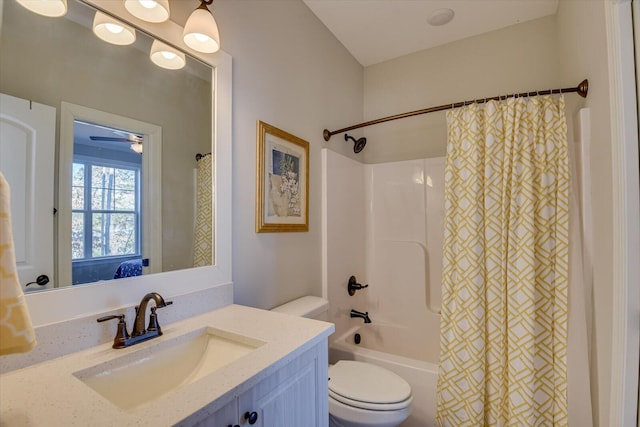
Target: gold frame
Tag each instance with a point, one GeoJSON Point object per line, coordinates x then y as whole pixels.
{"type": "Point", "coordinates": [293, 148]}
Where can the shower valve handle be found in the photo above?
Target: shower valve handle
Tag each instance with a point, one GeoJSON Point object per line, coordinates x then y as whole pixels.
{"type": "Point", "coordinates": [354, 286]}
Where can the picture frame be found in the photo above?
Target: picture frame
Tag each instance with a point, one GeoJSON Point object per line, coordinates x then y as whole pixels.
{"type": "Point", "coordinates": [282, 181]}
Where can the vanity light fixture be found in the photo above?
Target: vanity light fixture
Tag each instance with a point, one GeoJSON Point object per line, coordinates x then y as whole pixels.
{"type": "Point", "coordinates": [50, 8]}
{"type": "Point", "coordinates": [148, 10]}
{"type": "Point", "coordinates": [113, 31]}
{"type": "Point", "coordinates": [201, 31]}
{"type": "Point", "coordinates": [165, 56]}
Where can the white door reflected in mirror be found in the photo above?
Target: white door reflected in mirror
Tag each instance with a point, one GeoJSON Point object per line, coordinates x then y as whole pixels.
{"type": "Point", "coordinates": [27, 147]}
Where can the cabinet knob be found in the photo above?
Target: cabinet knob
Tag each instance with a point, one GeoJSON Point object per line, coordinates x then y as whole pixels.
{"type": "Point", "coordinates": [252, 417]}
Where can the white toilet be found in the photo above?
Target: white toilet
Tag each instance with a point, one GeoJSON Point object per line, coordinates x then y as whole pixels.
{"type": "Point", "coordinates": [360, 394]}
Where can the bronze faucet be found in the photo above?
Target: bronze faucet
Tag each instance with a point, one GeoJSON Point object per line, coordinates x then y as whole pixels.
{"type": "Point", "coordinates": [363, 316]}
{"type": "Point", "coordinates": [139, 333]}
{"type": "Point", "coordinates": [138, 325]}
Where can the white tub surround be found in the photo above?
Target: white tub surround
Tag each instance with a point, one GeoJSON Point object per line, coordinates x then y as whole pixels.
{"type": "Point", "coordinates": [70, 402]}
{"type": "Point", "coordinates": [384, 224]}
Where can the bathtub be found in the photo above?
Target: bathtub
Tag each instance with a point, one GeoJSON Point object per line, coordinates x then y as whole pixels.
{"type": "Point", "coordinates": [417, 364]}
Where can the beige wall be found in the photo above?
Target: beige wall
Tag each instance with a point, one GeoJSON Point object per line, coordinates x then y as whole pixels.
{"type": "Point", "coordinates": [289, 71]}
{"type": "Point", "coordinates": [519, 58]}
{"type": "Point", "coordinates": [582, 41]}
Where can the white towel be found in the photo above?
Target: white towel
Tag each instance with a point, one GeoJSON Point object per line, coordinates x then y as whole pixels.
{"type": "Point", "coordinates": [16, 331]}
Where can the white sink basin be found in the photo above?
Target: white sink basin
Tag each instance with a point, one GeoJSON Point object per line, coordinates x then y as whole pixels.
{"type": "Point", "coordinates": [143, 376]}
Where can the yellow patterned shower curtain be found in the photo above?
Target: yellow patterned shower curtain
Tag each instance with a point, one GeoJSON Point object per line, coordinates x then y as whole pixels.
{"type": "Point", "coordinates": [203, 237]}
{"type": "Point", "coordinates": [503, 330]}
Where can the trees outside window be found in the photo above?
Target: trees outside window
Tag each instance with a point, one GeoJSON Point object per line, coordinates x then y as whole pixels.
{"type": "Point", "coordinates": [106, 209]}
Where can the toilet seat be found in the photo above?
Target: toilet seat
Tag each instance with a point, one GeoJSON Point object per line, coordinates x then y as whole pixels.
{"type": "Point", "coordinates": [366, 386]}
{"type": "Point", "coordinates": [370, 406]}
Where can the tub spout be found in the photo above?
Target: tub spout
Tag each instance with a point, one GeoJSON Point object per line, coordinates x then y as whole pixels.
{"type": "Point", "coordinates": [364, 316]}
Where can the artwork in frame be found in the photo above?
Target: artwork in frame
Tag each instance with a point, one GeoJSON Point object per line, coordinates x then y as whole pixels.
{"type": "Point", "coordinates": [282, 184]}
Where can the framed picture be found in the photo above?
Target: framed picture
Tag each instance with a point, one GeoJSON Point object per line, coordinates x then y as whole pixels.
{"type": "Point", "coordinates": [282, 181]}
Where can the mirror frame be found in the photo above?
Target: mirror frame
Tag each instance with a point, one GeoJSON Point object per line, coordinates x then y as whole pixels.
{"type": "Point", "coordinates": [71, 302]}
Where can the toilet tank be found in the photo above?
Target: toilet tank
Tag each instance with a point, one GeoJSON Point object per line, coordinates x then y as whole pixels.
{"type": "Point", "coordinates": [310, 307]}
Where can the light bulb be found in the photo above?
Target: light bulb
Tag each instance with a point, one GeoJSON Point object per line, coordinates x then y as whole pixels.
{"type": "Point", "coordinates": [113, 31]}
{"type": "Point", "coordinates": [50, 8]}
{"type": "Point", "coordinates": [202, 38]}
{"type": "Point", "coordinates": [166, 56]}
{"type": "Point", "coordinates": [114, 28]}
{"type": "Point", "coordinates": [148, 10]}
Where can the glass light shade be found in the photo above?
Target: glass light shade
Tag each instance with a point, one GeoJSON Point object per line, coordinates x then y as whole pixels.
{"type": "Point", "coordinates": [50, 8]}
{"type": "Point", "coordinates": [166, 57]}
{"type": "Point", "coordinates": [201, 32]}
{"type": "Point", "coordinates": [137, 147]}
{"type": "Point", "coordinates": [113, 31]}
{"type": "Point", "coordinates": [148, 10]}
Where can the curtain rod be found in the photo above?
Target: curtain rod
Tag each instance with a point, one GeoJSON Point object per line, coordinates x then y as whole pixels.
{"type": "Point", "coordinates": [582, 89]}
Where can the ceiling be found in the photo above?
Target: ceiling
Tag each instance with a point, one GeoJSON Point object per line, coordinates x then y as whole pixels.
{"type": "Point", "coordinates": [83, 131]}
{"type": "Point", "coordinates": [379, 30]}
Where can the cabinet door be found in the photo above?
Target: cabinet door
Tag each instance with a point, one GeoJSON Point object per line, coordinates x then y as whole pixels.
{"type": "Point", "coordinates": [294, 396]}
{"type": "Point", "coordinates": [290, 404]}
{"type": "Point", "coordinates": [223, 417]}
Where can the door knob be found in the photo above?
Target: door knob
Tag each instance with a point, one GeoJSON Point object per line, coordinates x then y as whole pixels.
{"type": "Point", "coordinates": [42, 280]}
{"type": "Point", "coordinates": [252, 417]}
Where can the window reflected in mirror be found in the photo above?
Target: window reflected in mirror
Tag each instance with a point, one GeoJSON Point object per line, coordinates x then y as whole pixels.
{"type": "Point", "coordinates": [106, 202]}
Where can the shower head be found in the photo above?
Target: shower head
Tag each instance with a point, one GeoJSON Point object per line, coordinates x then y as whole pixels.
{"type": "Point", "coordinates": [358, 145]}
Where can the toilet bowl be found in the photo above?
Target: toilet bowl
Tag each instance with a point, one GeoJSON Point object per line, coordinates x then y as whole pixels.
{"type": "Point", "coordinates": [366, 395]}
{"type": "Point", "coordinates": [360, 394]}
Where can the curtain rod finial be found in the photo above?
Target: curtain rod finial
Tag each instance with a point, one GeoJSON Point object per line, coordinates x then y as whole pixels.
{"type": "Point", "coordinates": [326, 134]}
{"type": "Point", "coordinates": [583, 88]}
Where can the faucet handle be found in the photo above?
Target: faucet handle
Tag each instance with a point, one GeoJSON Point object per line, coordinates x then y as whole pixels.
{"type": "Point", "coordinates": [153, 322]}
{"type": "Point", "coordinates": [153, 318]}
{"type": "Point", "coordinates": [354, 286]}
{"type": "Point", "coordinates": [122, 335]}
{"type": "Point", "coordinates": [105, 318]}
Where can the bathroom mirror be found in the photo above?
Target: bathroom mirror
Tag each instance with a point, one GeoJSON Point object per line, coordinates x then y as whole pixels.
{"type": "Point", "coordinates": [55, 61]}
{"type": "Point", "coordinates": [205, 89]}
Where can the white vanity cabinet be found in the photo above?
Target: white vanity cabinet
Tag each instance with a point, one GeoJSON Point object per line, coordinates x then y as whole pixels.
{"type": "Point", "coordinates": [223, 417]}
{"type": "Point", "coordinates": [295, 395]}
{"type": "Point", "coordinates": [282, 378]}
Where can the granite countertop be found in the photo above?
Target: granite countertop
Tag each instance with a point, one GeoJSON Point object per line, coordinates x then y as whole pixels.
{"type": "Point", "coordinates": [48, 394]}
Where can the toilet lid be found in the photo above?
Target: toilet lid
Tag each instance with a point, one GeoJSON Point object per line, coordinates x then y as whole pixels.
{"type": "Point", "coordinates": [363, 382]}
